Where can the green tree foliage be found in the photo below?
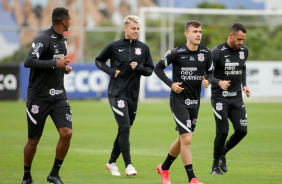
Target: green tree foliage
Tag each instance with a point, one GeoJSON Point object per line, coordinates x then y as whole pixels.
{"type": "Point", "coordinates": [264, 36]}
{"type": "Point", "coordinates": [211, 5]}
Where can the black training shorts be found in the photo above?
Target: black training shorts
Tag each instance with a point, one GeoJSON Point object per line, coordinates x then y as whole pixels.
{"type": "Point", "coordinates": [38, 111]}
{"type": "Point", "coordinates": [185, 118]}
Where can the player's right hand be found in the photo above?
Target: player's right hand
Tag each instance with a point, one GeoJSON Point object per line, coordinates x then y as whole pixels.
{"type": "Point", "coordinates": [176, 87]}
{"type": "Point", "coordinates": [116, 73]}
{"type": "Point", "coordinates": [62, 62]}
{"type": "Point", "coordinates": [224, 84]}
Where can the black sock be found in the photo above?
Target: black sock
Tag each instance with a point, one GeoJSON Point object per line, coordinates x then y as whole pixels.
{"type": "Point", "coordinates": [56, 167]}
{"type": "Point", "coordinates": [190, 172]}
{"type": "Point", "coordinates": [27, 174]}
{"type": "Point", "coordinates": [168, 161]}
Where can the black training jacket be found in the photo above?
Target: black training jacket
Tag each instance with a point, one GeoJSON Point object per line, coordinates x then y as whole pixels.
{"type": "Point", "coordinates": [229, 64]}
{"type": "Point", "coordinates": [46, 81]}
{"type": "Point", "coordinates": [188, 67]}
{"type": "Point", "coordinates": [121, 53]}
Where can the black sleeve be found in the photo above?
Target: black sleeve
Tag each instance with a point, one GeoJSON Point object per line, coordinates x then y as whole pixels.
{"type": "Point", "coordinates": [162, 64]}
{"type": "Point", "coordinates": [147, 68]}
{"type": "Point", "coordinates": [244, 77]}
{"type": "Point", "coordinates": [39, 46]}
{"type": "Point", "coordinates": [215, 56]}
{"type": "Point", "coordinates": [209, 68]}
{"type": "Point", "coordinates": [102, 59]}
{"type": "Point", "coordinates": [244, 73]}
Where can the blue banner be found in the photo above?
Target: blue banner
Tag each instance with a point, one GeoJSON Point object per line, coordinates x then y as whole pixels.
{"type": "Point", "coordinates": [87, 81]}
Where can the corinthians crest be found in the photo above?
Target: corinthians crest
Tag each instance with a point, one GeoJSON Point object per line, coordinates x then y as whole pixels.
{"type": "Point", "coordinates": [218, 106]}
{"type": "Point", "coordinates": [201, 57]}
{"type": "Point", "coordinates": [241, 55]}
{"type": "Point", "coordinates": [121, 104]}
{"type": "Point", "coordinates": [35, 109]}
{"type": "Point", "coordinates": [188, 123]}
{"type": "Point", "coordinates": [138, 51]}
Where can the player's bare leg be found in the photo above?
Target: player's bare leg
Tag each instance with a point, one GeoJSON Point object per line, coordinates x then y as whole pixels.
{"type": "Point", "coordinates": [175, 148]}
{"type": "Point", "coordinates": [63, 143]}
{"type": "Point", "coordinates": [61, 151]}
{"type": "Point", "coordinates": [185, 143]}
{"type": "Point", "coordinates": [29, 152]}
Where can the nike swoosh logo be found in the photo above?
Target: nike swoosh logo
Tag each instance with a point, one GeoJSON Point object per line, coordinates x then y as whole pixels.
{"type": "Point", "coordinates": [120, 50]}
{"type": "Point", "coordinates": [183, 57]}
{"type": "Point", "coordinates": [227, 56]}
{"type": "Point", "coordinates": [55, 46]}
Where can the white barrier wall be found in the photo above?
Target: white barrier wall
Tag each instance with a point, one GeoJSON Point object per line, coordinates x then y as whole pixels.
{"type": "Point", "coordinates": [264, 79]}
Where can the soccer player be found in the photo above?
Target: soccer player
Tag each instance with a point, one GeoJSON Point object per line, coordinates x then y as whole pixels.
{"type": "Point", "coordinates": [229, 75]}
{"type": "Point", "coordinates": [46, 93]}
{"type": "Point", "coordinates": [129, 59]}
{"type": "Point", "coordinates": [192, 65]}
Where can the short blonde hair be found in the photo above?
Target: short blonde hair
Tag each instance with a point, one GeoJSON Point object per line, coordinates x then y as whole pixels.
{"type": "Point", "coordinates": [128, 18]}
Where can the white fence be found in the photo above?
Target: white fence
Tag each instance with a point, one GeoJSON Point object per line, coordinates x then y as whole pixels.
{"type": "Point", "coordinates": [264, 79]}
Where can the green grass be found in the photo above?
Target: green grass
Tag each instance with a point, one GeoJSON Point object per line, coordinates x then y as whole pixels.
{"type": "Point", "coordinates": [256, 160]}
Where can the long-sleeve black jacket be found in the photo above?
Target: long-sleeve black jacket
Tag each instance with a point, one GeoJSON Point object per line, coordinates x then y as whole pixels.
{"type": "Point", "coordinates": [46, 81]}
{"type": "Point", "coordinates": [229, 64]}
{"type": "Point", "coordinates": [121, 53]}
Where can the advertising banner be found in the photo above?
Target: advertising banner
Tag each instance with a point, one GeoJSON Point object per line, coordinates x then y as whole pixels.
{"type": "Point", "coordinates": [9, 82]}
{"type": "Point", "coordinates": [85, 81]}
{"type": "Point", "coordinates": [264, 79]}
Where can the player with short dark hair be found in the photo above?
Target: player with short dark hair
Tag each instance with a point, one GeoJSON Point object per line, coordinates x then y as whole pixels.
{"type": "Point", "coordinates": [229, 78]}
{"type": "Point", "coordinates": [192, 66]}
{"type": "Point", "coordinates": [48, 63]}
{"type": "Point", "coordinates": [129, 60]}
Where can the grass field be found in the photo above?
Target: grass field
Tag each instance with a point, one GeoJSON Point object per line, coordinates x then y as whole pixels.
{"type": "Point", "coordinates": [256, 160]}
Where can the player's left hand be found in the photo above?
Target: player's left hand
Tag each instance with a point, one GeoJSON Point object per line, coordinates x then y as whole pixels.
{"type": "Point", "coordinates": [68, 69]}
{"type": "Point", "coordinates": [247, 91]}
{"type": "Point", "coordinates": [133, 65]}
{"type": "Point", "coordinates": [205, 82]}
